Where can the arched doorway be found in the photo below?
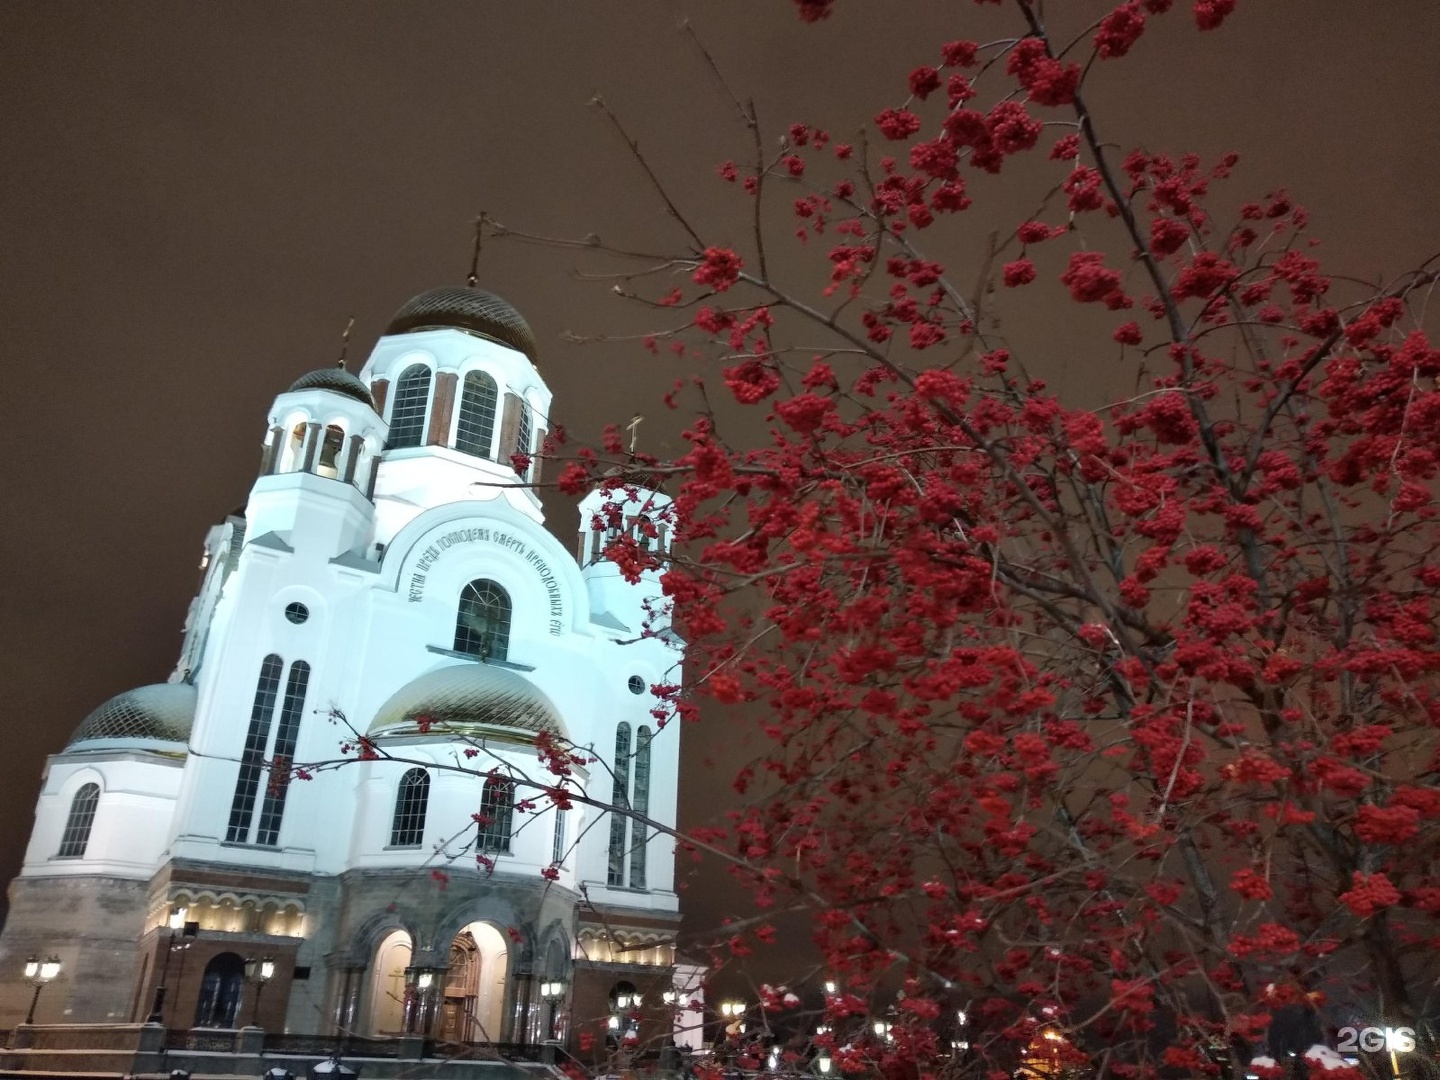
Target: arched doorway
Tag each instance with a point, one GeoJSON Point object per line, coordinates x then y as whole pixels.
{"type": "Point", "coordinates": [387, 984]}
{"type": "Point", "coordinates": [221, 989]}
{"type": "Point", "coordinates": [474, 1006]}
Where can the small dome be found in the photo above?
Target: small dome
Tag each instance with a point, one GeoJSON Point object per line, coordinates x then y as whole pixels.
{"type": "Point", "coordinates": [469, 699]}
{"type": "Point", "coordinates": [472, 310]}
{"type": "Point", "coordinates": [162, 713]}
{"type": "Point", "coordinates": [336, 379]}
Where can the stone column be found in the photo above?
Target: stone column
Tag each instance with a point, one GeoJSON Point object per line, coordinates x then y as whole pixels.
{"type": "Point", "coordinates": [270, 457]}
{"type": "Point", "coordinates": [353, 458]}
{"type": "Point", "coordinates": [442, 408]}
{"type": "Point", "coordinates": [312, 446]}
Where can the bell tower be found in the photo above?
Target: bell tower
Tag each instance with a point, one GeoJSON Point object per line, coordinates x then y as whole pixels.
{"type": "Point", "coordinates": [318, 469]}
{"type": "Point", "coordinates": [454, 376]}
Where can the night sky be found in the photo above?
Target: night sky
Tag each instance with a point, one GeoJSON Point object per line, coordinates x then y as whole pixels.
{"type": "Point", "coordinates": [197, 196]}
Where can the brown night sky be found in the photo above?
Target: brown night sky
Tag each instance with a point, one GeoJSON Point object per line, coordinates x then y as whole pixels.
{"type": "Point", "coordinates": [196, 196]}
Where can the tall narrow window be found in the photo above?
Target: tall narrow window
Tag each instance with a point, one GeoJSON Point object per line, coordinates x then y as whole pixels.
{"type": "Point", "coordinates": [522, 437]}
{"type": "Point", "coordinates": [282, 757]}
{"type": "Point", "coordinates": [557, 844]}
{"type": "Point", "coordinates": [407, 829]}
{"type": "Point", "coordinates": [475, 431]}
{"type": "Point", "coordinates": [496, 806]}
{"type": "Point", "coordinates": [620, 800]}
{"type": "Point", "coordinates": [77, 825]}
{"type": "Point", "coordinates": [641, 803]}
{"type": "Point", "coordinates": [252, 758]}
{"type": "Point", "coordinates": [407, 415]}
{"type": "Point", "coordinates": [482, 626]}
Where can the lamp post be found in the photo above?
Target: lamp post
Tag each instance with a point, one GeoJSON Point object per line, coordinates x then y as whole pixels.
{"type": "Point", "coordinates": [552, 991]}
{"type": "Point", "coordinates": [177, 923]}
{"type": "Point", "coordinates": [258, 972]}
{"type": "Point", "coordinates": [418, 982]}
{"type": "Point", "coordinates": [39, 972]}
{"type": "Point", "coordinates": [734, 1014]}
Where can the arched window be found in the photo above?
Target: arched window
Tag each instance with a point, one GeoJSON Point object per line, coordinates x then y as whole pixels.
{"type": "Point", "coordinates": [407, 828]}
{"type": "Point", "coordinates": [620, 800]}
{"type": "Point", "coordinates": [252, 758]}
{"type": "Point", "coordinates": [221, 987]}
{"type": "Point", "coordinates": [522, 437]}
{"type": "Point", "coordinates": [475, 431]}
{"type": "Point", "coordinates": [77, 825]}
{"type": "Point", "coordinates": [482, 626]}
{"type": "Point", "coordinates": [640, 801]}
{"type": "Point", "coordinates": [282, 757]}
{"type": "Point", "coordinates": [407, 415]}
{"type": "Point", "coordinates": [496, 807]}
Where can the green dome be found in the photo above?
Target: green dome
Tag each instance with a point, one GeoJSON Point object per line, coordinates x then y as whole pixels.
{"type": "Point", "coordinates": [163, 713]}
{"type": "Point", "coordinates": [468, 699]}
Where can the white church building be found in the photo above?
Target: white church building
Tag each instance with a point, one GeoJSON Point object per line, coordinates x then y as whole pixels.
{"type": "Point", "coordinates": [343, 775]}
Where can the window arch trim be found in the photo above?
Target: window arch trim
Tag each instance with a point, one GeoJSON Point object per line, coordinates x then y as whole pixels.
{"type": "Point", "coordinates": [497, 809]}
{"type": "Point", "coordinates": [79, 821]}
{"type": "Point", "coordinates": [412, 798]}
{"type": "Point", "coordinates": [482, 620]}
{"type": "Point", "coordinates": [410, 407]}
{"type": "Point", "coordinates": [478, 414]}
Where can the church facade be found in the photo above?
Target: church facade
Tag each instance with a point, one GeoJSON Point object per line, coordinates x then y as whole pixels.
{"type": "Point", "coordinates": [351, 772]}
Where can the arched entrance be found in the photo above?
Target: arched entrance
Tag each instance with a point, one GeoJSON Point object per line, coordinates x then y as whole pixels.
{"type": "Point", "coordinates": [221, 989]}
{"type": "Point", "coordinates": [387, 985]}
{"type": "Point", "coordinates": [474, 1006]}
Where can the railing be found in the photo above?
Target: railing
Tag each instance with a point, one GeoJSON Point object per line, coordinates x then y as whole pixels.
{"type": "Point", "coordinates": [484, 1051]}
{"type": "Point", "coordinates": [213, 1040]}
{"type": "Point", "coordinates": [228, 1041]}
{"type": "Point", "coordinates": [331, 1046]}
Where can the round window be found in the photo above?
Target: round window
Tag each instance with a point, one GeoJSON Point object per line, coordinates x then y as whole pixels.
{"type": "Point", "coordinates": [637, 684]}
{"type": "Point", "coordinates": [297, 613]}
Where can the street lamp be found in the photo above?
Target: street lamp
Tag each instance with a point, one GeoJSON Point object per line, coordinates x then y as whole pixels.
{"type": "Point", "coordinates": [551, 992]}
{"type": "Point", "coordinates": [39, 972]}
{"type": "Point", "coordinates": [178, 925]}
{"type": "Point", "coordinates": [418, 982]}
{"type": "Point", "coordinates": [734, 1013]}
{"type": "Point", "coordinates": [259, 972]}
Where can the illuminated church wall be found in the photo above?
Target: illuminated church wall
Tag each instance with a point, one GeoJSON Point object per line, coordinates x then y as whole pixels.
{"type": "Point", "coordinates": [389, 585]}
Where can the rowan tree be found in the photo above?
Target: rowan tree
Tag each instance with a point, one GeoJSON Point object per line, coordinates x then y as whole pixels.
{"type": "Point", "coordinates": [1103, 735]}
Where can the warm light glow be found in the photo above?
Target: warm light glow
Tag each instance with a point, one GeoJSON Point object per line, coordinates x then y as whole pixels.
{"type": "Point", "coordinates": [961, 1014]}
{"type": "Point", "coordinates": [177, 917]}
{"type": "Point", "coordinates": [424, 979]}
{"type": "Point", "coordinates": [32, 967]}
{"type": "Point", "coordinates": [823, 1063]}
{"type": "Point", "coordinates": [669, 997]}
{"type": "Point", "coordinates": [1054, 1036]}
{"type": "Point", "coordinates": [267, 969]}
{"type": "Point", "coordinates": [614, 1023]}
{"type": "Point", "coordinates": [50, 968]}
{"type": "Point", "coordinates": [773, 1061]}
{"type": "Point", "coordinates": [830, 988]}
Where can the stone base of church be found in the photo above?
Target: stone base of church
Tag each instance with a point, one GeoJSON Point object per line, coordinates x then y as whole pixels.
{"type": "Point", "coordinates": [88, 1050]}
{"type": "Point", "coordinates": [332, 974]}
{"type": "Point", "coordinates": [92, 924]}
